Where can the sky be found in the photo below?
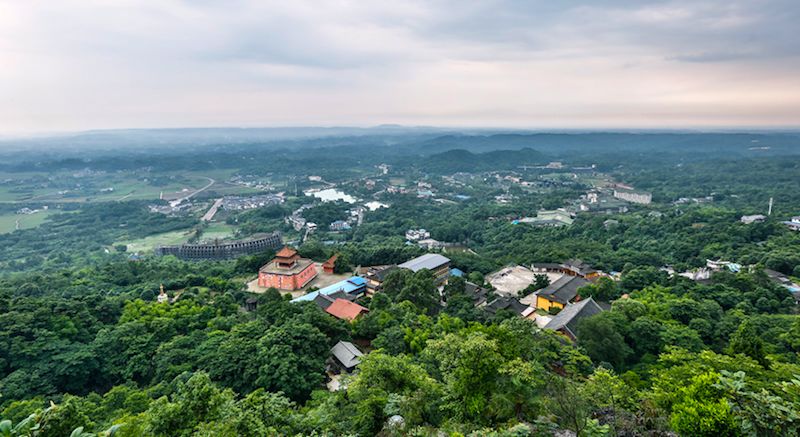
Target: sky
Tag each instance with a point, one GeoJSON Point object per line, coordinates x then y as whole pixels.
{"type": "Point", "coordinates": [87, 64]}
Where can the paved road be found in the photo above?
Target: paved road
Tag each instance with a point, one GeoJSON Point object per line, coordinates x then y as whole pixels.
{"type": "Point", "coordinates": [210, 183]}
{"type": "Point", "coordinates": [212, 211]}
{"type": "Point", "coordinates": [194, 193]}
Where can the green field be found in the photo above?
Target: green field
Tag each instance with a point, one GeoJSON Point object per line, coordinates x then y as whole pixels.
{"type": "Point", "coordinates": [219, 231]}
{"type": "Point", "coordinates": [126, 185]}
{"type": "Point", "coordinates": [26, 221]}
{"type": "Point", "coordinates": [147, 244]}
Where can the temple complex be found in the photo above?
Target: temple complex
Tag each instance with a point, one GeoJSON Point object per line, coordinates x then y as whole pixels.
{"type": "Point", "coordinates": [287, 271]}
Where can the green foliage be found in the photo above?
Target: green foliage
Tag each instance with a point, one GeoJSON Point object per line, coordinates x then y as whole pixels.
{"type": "Point", "coordinates": [79, 323]}
{"type": "Point", "coordinates": [601, 339]}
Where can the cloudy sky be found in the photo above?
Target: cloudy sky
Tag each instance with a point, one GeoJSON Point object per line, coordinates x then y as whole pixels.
{"type": "Point", "coordinates": [86, 64]}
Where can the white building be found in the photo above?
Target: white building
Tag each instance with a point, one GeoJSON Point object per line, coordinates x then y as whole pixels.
{"type": "Point", "coordinates": [633, 196]}
{"type": "Point", "coordinates": [417, 234]}
{"type": "Point", "coordinates": [794, 223]}
{"type": "Point", "coordinates": [757, 218]}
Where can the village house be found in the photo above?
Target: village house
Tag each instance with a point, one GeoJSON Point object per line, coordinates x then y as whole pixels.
{"type": "Point", "coordinates": [431, 244]}
{"type": "Point", "coordinates": [339, 225]}
{"type": "Point", "coordinates": [417, 234]}
{"type": "Point", "coordinates": [794, 223]}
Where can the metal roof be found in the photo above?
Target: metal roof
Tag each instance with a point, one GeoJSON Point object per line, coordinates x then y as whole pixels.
{"type": "Point", "coordinates": [430, 261]}
{"type": "Point", "coordinates": [347, 353]}
{"type": "Point", "coordinates": [348, 286]}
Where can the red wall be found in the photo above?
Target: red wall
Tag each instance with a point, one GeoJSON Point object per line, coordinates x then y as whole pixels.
{"type": "Point", "coordinates": [287, 282]}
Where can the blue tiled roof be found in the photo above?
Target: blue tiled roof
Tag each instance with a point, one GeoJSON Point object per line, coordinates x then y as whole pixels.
{"type": "Point", "coordinates": [348, 286]}
{"type": "Point", "coordinates": [456, 272]}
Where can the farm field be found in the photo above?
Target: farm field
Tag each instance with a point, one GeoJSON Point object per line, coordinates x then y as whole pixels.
{"type": "Point", "coordinates": [26, 221]}
{"type": "Point", "coordinates": [147, 244]}
{"type": "Point", "coordinates": [66, 188]}
{"type": "Point", "coordinates": [220, 231]}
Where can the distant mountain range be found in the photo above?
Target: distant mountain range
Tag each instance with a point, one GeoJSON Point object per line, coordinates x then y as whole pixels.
{"type": "Point", "coordinates": [423, 140]}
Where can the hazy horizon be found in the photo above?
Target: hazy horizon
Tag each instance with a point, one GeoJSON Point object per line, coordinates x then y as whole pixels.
{"type": "Point", "coordinates": [74, 66]}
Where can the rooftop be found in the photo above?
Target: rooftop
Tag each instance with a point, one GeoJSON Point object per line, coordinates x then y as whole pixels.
{"type": "Point", "coordinates": [506, 303]}
{"type": "Point", "coordinates": [430, 261]}
{"type": "Point", "coordinates": [568, 317]}
{"type": "Point", "coordinates": [564, 289]}
{"type": "Point", "coordinates": [286, 252]}
{"type": "Point", "coordinates": [348, 286]}
{"type": "Point", "coordinates": [274, 268]}
{"type": "Point", "coordinates": [380, 275]}
{"type": "Point", "coordinates": [326, 300]}
{"type": "Point", "coordinates": [347, 353]}
{"type": "Point", "coordinates": [345, 310]}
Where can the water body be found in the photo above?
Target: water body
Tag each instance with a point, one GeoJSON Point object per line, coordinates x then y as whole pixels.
{"type": "Point", "coordinates": [372, 206]}
{"type": "Point", "coordinates": [331, 195]}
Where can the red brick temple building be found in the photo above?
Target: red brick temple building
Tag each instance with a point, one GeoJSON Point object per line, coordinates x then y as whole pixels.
{"type": "Point", "coordinates": [329, 265]}
{"type": "Point", "coordinates": [287, 271]}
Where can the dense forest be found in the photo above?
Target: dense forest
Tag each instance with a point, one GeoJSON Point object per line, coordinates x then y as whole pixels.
{"type": "Point", "coordinates": [86, 348]}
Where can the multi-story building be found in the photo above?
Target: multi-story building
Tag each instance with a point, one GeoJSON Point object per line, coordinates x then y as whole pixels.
{"type": "Point", "coordinates": [287, 271]}
{"type": "Point", "coordinates": [437, 264]}
{"type": "Point", "coordinates": [417, 234]}
{"type": "Point", "coordinates": [794, 223]}
{"type": "Point", "coordinates": [633, 196]}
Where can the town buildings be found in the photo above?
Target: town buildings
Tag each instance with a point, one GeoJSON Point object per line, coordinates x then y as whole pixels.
{"type": "Point", "coordinates": [287, 271]}
{"type": "Point", "coordinates": [794, 223]}
{"type": "Point", "coordinates": [339, 225]}
{"type": "Point", "coordinates": [558, 217]}
{"type": "Point", "coordinates": [417, 234]}
{"type": "Point", "coordinates": [785, 282]}
{"type": "Point", "coordinates": [640, 197]}
{"type": "Point", "coordinates": [238, 203]}
{"type": "Point", "coordinates": [719, 265]}
{"type": "Point", "coordinates": [431, 244]}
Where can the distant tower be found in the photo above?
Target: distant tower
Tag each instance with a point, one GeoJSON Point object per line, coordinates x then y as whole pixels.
{"type": "Point", "coordinates": [769, 212]}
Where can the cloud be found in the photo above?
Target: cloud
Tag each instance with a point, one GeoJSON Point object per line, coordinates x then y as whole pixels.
{"type": "Point", "coordinates": [79, 64]}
